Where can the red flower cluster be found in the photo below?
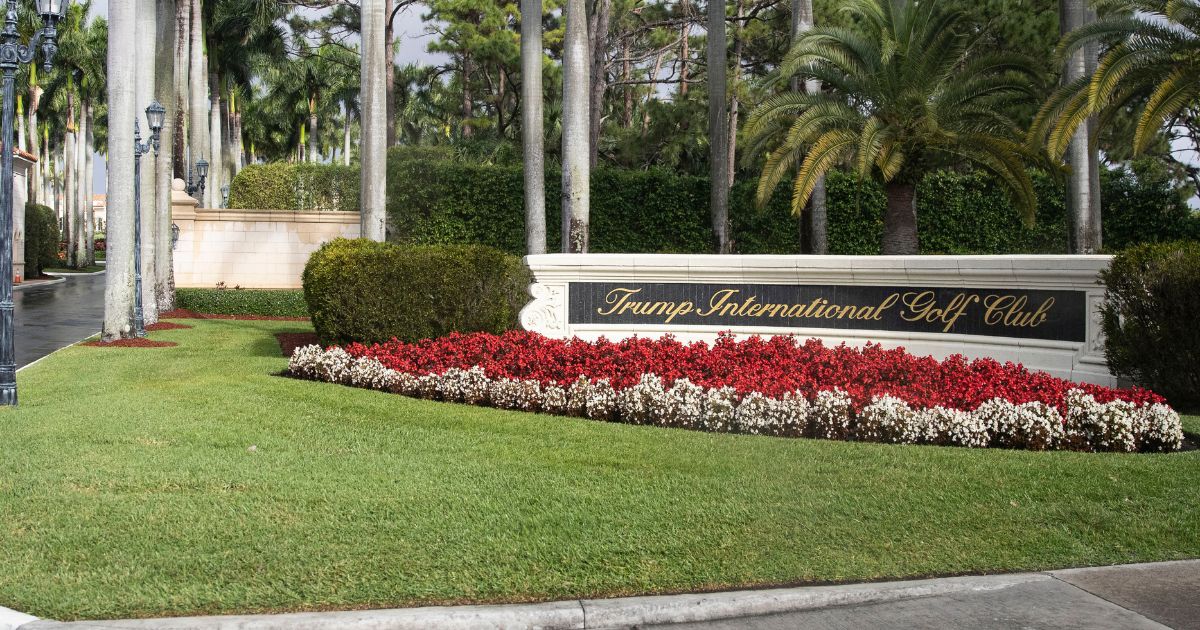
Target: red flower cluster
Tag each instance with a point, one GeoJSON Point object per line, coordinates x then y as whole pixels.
{"type": "Point", "coordinates": [769, 366]}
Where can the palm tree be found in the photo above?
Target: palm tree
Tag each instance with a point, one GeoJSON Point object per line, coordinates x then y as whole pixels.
{"type": "Point", "coordinates": [1151, 65]}
{"type": "Point", "coordinates": [374, 69]}
{"type": "Point", "coordinates": [165, 92]}
{"type": "Point", "coordinates": [576, 168]}
{"type": "Point", "coordinates": [532, 131]}
{"type": "Point", "coordinates": [198, 132]}
{"type": "Point", "coordinates": [803, 19]}
{"type": "Point", "coordinates": [906, 93]}
{"type": "Point", "coordinates": [118, 292]}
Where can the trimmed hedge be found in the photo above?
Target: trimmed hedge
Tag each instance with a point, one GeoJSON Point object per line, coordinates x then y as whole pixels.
{"type": "Point", "coordinates": [435, 200]}
{"type": "Point", "coordinates": [41, 239]}
{"type": "Point", "coordinates": [360, 290]}
{"type": "Point", "coordinates": [268, 302]}
{"type": "Point", "coordinates": [1151, 299]}
{"type": "Point", "coordinates": [299, 187]}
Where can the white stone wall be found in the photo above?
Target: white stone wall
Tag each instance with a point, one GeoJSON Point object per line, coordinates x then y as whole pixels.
{"type": "Point", "coordinates": [264, 249]}
{"type": "Point", "coordinates": [1081, 361]}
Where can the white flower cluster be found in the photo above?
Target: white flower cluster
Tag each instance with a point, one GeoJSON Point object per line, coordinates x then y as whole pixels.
{"type": "Point", "coordinates": [1088, 424]}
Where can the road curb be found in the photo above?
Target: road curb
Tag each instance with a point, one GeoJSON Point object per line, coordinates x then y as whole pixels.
{"type": "Point", "coordinates": [577, 614]}
{"type": "Point", "coordinates": [47, 283]}
{"type": "Point", "coordinates": [75, 273]}
{"type": "Point", "coordinates": [11, 619]}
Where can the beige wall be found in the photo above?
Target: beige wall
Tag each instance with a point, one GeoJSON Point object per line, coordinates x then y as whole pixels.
{"type": "Point", "coordinates": [250, 248]}
{"type": "Point", "coordinates": [20, 197]}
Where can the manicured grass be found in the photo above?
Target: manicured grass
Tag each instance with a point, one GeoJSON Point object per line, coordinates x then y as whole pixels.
{"type": "Point", "coordinates": [127, 489]}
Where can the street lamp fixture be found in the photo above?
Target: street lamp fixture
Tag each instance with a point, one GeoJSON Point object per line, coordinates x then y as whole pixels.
{"type": "Point", "coordinates": [154, 116]}
{"type": "Point", "coordinates": [196, 188]}
{"type": "Point", "coordinates": [14, 54]}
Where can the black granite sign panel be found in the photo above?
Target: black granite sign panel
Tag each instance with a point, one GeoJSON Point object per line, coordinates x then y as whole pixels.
{"type": "Point", "coordinates": [1024, 313]}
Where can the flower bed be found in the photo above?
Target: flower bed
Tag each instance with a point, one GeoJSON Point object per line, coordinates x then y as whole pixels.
{"type": "Point", "coordinates": [775, 386]}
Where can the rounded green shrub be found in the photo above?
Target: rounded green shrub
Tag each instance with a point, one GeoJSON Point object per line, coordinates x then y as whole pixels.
{"type": "Point", "coordinates": [1151, 300]}
{"type": "Point", "coordinates": [41, 239]}
{"type": "Point", "coordinates": [360, 290]}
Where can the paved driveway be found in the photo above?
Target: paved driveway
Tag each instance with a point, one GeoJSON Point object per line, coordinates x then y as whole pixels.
{"type": "Point", "coordinates": [52, 316]}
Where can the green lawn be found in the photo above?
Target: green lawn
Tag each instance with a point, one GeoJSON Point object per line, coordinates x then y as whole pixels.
{"type": "Point", "coordinates": [127, 489]}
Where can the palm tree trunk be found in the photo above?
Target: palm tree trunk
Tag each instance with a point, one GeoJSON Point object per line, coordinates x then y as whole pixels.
{"type": "Point", "coordinates": [346, 124]}
{"type": "Point", "coordinates": [89, 174]}
{"type": "Point", "coordinates": [598, 40]}
{"type": "Point", "coordinates": [216, 174]}
{"type": "Point", "coordinates": [198, 136]}
{"type": "Point", "coordinates": [70, 196]}
{"type": "Point", "coordinates": [166, 85]}
{"type": "Point", "coordinates": [35, 181]}
{"type": "Point", "coordinates": [118, 293]}
{"type": "Point", "coordinates": [83, 198]}
{"type": "Point", "coordinates": [468, 105]}
{"type": "Point", "coordinates": [576, 171]}
{"type": "Point", "coordinates": [147, 49]}
{"type": "Point", "coordinates": [22, 138]}
{"type": "Point", "coordinates": [312, 130]}
{"type": "Point", "coordinates": [183, 43]}
{"type": "Point", "coordinates": [532, 130]}
{"type": "Point", "coordinates": [1082, 200]}
{"type": "Point", "coordinates": [817, 217]}
{"type": "Point", "coordinates": [900, 219]}
{"type": "Point", "coordinates": [373, 146]}
{"type": "Point", "coordinates": [718, 127]}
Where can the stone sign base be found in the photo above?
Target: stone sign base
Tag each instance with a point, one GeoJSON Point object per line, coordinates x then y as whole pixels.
{"type": "Point", "coordinates": [1040, 311]}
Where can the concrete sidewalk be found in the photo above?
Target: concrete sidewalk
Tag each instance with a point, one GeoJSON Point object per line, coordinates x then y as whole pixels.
{"type": "Point", "coordinates": [1140, 596]}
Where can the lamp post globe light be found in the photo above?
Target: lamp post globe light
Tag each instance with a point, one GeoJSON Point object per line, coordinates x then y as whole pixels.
{"type": "Point", "coordinates": [14, 54]}
{"type": "Point", "coordinates": [154, 116]}
{"type": "Point", "coordinates": [196, 188]}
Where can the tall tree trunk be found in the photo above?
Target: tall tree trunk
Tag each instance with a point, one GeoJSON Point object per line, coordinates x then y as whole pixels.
{"type": "Point", "coordinates": [312, 130]}
{"type": "Point", "coordinates": [373, 146]}
{"type": "Point", "coordinates": [35, 146]}
{"type": "Point", "coordinates": [118, 292]}
{"type": "Point", "coordinates": [19, 115]}
{"type": "Point", "coordinates": [166, 85]}
{"type": "Point", "coordinates": [346, 125]}
{"type": "Point", "coordinates": [576, 171]}
{"type": "Point", "coordinates": [147, 55]}
{"type": "Point", "coordinates": [817, 217]}
{"type": "Point", "coordinates": [1096, 224]}
{"type": "Point", "coordinates": [598, 41]}
{"type": "Point", "coordinates": [738, 46]}
{"type": "Point", "coordinates": [1080, 201]}
{"type": "Point", "coordinates": [89, 177]}
{"type": "Point", "coordinates": [900, 219]}
{"type": "Point", "coordinates": [179, 115]}
{"type": "Point", "coordinates": [685, 32]}
{"type": "Point", "coordinates": [216, 149]}
{"type": "Point", "coordinates": [532, 126]}
{"type": "Point", "coordinates": [718, 127]}
{"type": "Point", "coordinates": [658, 59]}
{"type": "Point", "coordinates": [626, 77]}
{"type": "Point", "coordinates": [70, 225]}
{"type": "Point", "coordinates": [83, 195]}
{"type": "Point", "coordinates": [389, 41]}
{"type": "Point", "coordinates": [198, 137]}
{"type": "Point", "coordinates": [468, 106]}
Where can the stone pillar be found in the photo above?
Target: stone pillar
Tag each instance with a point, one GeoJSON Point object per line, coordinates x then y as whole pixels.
{"type": "Point", "coordinates": [183, 216]}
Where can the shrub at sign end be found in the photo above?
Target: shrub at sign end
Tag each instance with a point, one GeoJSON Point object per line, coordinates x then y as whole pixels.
{"type": "Point", "coordinates": [359, 290]}
{"type": "Point", "coordinates": [1152, 301]}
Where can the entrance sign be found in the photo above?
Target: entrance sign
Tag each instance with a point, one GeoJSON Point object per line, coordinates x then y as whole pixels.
{"type": "Point", "coordinates": [1041, 311]}
{"type": "Point", "coordinates": [1031, 314]}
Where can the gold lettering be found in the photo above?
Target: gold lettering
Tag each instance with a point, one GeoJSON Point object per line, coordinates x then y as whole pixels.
{"type": "Point", "coordinates": [682, 308]}
{"type": "Point", "coordinates": [618, 298]}
{"type": "Point", "coordinates": [718, 301]}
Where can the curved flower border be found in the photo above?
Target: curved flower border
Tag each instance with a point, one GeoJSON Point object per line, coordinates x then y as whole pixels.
{"type": "Point", "coordinates": [1086, 425]}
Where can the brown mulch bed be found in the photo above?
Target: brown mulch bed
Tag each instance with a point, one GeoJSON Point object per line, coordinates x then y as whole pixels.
{"type": "Point", "coordinates": [182, 313]}
{"type": "Point", "coordinates": [131, 343]}
{"type": "Point", "coordinates": [166, 326]}
{"type": "Point", "coordinates": [288, 342]}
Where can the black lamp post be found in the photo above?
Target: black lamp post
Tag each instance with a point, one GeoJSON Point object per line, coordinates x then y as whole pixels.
{"type": "Point", "coordinates": [154, 116]}
{"type": "Point", "coordinates": [196, 188]}
{"type": "Point", "coordinates": [13, 54]}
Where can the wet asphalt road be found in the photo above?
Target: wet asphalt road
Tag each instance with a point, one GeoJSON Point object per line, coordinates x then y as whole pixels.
{"type": "Point", "coordinates": [57, 315]}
